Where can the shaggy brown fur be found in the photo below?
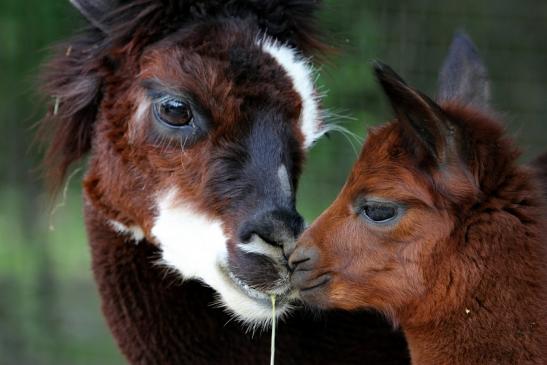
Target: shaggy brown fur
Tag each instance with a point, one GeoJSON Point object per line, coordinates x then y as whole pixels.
{"type": "Point", "coordinates": [462, 266]}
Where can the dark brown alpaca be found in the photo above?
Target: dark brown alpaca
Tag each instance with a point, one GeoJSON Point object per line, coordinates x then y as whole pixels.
{"type": "Point", "coordinates": [439, 228]}
{"type": "Point", "coordinates": [196, 117]}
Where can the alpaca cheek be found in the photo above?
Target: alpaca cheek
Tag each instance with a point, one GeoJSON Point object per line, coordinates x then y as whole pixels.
{"type": "Point", "coordinates": [191, 243]}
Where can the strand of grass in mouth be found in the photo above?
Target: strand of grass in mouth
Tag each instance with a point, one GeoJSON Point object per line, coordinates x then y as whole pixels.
{"type": "Point", "coordinates": [272, 349]}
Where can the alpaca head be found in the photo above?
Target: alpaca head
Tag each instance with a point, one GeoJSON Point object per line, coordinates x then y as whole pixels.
{"type": "Point", "coordinates": [383, 243]}
{"type": "Point", "coordinates": [197, 116]}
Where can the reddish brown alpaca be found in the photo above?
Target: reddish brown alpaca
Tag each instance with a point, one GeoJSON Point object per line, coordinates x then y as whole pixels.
{"type": "Point", "coordinates": [440, 229]}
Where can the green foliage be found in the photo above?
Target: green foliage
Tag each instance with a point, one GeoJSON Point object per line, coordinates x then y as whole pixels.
{"type": "Point", "coordinates": [48, 306]}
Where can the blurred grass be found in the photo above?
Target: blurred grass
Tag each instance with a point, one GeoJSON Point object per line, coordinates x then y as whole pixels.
{"type": "Point", "coordinates": [64, 243]}
{"type": "Point", "coordinates": [55, 323]}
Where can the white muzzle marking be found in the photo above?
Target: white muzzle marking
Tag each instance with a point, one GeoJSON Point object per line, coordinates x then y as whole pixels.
{"type": "Point", "coordinates": [195, 246]}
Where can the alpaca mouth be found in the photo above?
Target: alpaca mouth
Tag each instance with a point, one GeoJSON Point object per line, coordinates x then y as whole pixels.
{"type": "Point", "coordinates": [284, 294]}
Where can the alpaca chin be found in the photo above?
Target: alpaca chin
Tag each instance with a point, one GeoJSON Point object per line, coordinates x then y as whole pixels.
{"type": "Point", "coordinates": [194, 246]}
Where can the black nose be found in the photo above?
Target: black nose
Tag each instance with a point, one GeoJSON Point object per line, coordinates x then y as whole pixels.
{"type": "Point", "coordinates": [304, 258]}
{"type": "Point", "coordinates": [278, 227]}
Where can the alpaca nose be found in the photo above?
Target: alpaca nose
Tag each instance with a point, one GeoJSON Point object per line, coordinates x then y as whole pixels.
{"type": "Point", "coordinates": [277, 227]}
{"type": "Point", "coordinates": [304, 258]}
{"type": "Point", "coordinates": [304, 265]}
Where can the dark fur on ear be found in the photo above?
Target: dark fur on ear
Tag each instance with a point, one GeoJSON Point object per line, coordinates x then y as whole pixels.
{"type": "Point", "coordinates": [422, 119]}
{"type": "Point", "coordinates": [73, 77]}
{"type": "Point", "coordinates": [463, 76]}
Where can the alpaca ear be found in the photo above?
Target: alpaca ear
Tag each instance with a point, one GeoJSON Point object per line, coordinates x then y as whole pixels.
{"type": "Point", "coordinates": [95, 11]}
{"type": "Point", "coordinates": [422, 119]}
{"type": "Point", "coordinates": [463, 76]}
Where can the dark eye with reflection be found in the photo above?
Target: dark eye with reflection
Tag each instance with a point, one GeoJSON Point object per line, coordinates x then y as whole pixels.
{"type": "Point", "coordinates": [380, 212]}
{"type": "Point", "coordinates": [173, 112]}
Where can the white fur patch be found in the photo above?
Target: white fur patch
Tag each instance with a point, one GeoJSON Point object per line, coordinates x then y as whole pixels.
{"type": "Point", "coordinates": [134, 232]}
{"type": "Point", "coordinates": [195, 246]}
{"type": "Point", "coordinates": [301, 72]}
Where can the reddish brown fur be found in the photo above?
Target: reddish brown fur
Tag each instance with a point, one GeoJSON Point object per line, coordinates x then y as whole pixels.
{"type": "Point", "coordinates": [464, 270]}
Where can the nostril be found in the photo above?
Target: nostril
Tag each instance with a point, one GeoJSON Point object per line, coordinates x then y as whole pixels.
{"type": "Point", "coordinates": [252, 234]}
{"type": "Point", "coordinates": [261, 228]}
{"type": "Point", "coordinates": [267, 239]}
{"type": "Point", "coordinates": [293, 263]}
{"type": "Point", "coordinates": [277, 227]}
{"type": "Point", "coordinates": [303, 258]}
{"type": "Point", "coordinates": [246, 236]}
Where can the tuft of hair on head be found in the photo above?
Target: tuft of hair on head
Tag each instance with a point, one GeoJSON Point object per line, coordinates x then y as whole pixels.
{"type": "Point", "coordinates": [291, 22]}
{"type": "Point", "coordinates": [71, 81]}
{"type": "Point", "coordinates": [463, 76]}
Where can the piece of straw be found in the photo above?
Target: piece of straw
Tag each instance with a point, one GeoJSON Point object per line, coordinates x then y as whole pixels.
{"type": "Point", "coordinates": [56, 105]}
{"type": "Point", "coordinates": [272, 350]}
{"type": "Point", "coordinates": [63, 199]}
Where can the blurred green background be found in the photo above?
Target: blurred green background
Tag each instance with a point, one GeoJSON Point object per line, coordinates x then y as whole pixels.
{"type": "Point", "coordinates": [49, 310]}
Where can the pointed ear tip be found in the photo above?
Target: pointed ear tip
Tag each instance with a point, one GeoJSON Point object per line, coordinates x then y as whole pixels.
{"type": "Point", "coordinates": [80, 4]}
{"type": "Point", "coordinates": [377, 65]}
{"type": "Point", "coordinates": [460, 33]}
{"type": "Point", "coordinates": [462, 40]}
{"type": "Point", "coordinates": [386, 75]}
{"type": "Point", "coordinates": [95, 10]}
{"type": "Point", "coordinates": [74, 3]}
{"type": "Point", "coordinates": [381, 70]}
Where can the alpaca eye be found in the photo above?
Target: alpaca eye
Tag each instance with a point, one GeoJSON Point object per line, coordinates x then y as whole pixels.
{"type": "Point", "coordinates": [379, 212]}
{"type": "Point", "coordinates": [173, 112]}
